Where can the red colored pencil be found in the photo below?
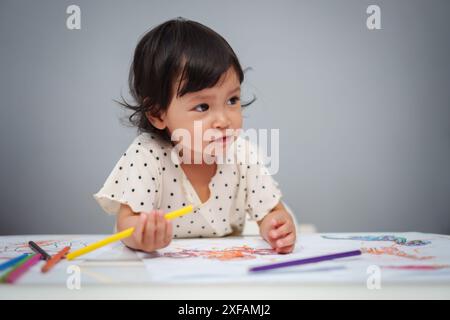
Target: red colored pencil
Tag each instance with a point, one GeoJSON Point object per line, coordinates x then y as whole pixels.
{"type": "Point", "coordinates": [55, 259]}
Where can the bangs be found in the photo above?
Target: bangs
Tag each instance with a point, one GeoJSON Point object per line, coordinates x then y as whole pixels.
{"type": "Point", "coordinates": [205, 57]}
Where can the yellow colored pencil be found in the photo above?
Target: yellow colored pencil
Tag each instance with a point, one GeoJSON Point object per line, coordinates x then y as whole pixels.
{"type": "Point", "coordinates": [178, 213]}
{"type": "Point", "coordinates": [115, 237]}
{"type": "Point", "coordinates": [123, 234]}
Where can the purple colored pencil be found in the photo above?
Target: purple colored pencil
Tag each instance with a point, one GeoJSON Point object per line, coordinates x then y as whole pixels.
{"type": "Point", "coordinates": [306, 261]}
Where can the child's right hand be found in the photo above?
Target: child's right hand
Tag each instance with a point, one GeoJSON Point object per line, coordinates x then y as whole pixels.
{"type": "Point", "coordinates": [152, 231]}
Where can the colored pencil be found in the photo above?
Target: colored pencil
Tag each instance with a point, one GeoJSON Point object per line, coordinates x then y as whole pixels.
{"type": "Point", "coordinates": [178, 213]}
{"type": "Point", "coordinates": [34, 246]}
{"type": "Point", "coordinates": [20, 270]}
{"type": "Point", "coordinates": [115, 237]}
{"type": "Point", "coordinates": [305, 261]}
{"type": "Point", "coordinates": [123, 234]}
{"type": "Point", "coordinates": [55, 259]}
{"type": "Point", "coordinates": [13, 261]}
{"type": "Point", "coordinates": [15, 266]}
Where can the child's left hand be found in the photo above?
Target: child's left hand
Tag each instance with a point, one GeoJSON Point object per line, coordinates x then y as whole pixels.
{"type": "Point", "coordinates": [278, 229]}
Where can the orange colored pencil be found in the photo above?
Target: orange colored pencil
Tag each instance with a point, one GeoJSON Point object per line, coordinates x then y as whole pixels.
{"type": "Point", "coordinates": [55, 259]}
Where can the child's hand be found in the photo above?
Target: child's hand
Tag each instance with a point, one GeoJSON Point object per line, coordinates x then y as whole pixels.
{"type": "Point", "coordinates": [152, 231]}
{"type": "Point", "coordinates": [278, 229]}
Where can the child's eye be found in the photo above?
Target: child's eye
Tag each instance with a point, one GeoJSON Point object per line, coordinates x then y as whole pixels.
{"type": "Point", "coordinates": [201, 107]}
{"type": "Point", "coordinates": [235, 99]}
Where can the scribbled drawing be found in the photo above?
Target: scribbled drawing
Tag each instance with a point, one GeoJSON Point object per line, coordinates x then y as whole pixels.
{"type": "Point", "coordinates": [234, 253]}
{"type": "Point", "coordinates": [51, 246]}
{"type": "Point", "coordinates": [394, 251]}
{"type": "Point", "coordinates": [419, 267]}
{"type": "Point", "coordinates": [397, 240]}
{"type": "Point", "coordinates": [42, 243]}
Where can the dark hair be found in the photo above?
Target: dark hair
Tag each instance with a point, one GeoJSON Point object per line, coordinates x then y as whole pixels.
{"type": "Point", "coordinates": [178, 49]}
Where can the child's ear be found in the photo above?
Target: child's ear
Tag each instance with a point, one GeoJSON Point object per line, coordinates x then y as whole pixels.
{"type": "Point", "coordinates": [157, 121]}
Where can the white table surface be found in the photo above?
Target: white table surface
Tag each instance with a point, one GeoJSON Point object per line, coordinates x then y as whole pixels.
{"type": "Point", "coordinates": [135, 290]}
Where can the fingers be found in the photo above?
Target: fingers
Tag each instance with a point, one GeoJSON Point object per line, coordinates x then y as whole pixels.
{"type": "Point", "coordinates": [285, 250]}
{"type": "Point", "coordinates": [278, 221]}
{"type": "Point", "coordinates": [272, 242]}
{"type": "Point", "coordinates": [282, 235]}
{"type": "Point", "coordinates": [168, 237]}
{"type": "Point", "coordinates": [149, 235]}
{"type": "Point", "coordinates": [286, 241]}
{"type": "Point", "coordinates": [157, 232]}
{"type": "Point", "coordinates": [286, 244]}
{"type": "Point", "coordinates": [140, 228]}
{"type": "Point", "coordinates": [160, 229]}
{"type": "Point", "coordinates": [281, 231]}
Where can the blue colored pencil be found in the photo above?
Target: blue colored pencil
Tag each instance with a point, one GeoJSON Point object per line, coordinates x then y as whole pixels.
{"type": "Point", "coordinates": [11, 262]}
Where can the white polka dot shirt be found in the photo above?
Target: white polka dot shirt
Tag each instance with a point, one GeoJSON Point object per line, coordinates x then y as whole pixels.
{"type": "Point", "coordinates": [146, 178]}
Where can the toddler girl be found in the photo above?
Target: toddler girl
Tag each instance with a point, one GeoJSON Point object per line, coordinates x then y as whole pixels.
{"type": "Point", "coordinates": [185, 79]}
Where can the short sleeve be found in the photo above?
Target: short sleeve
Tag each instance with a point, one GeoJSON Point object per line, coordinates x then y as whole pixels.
{"type": "Point", "coordinates": [133, 181]}
{"type": "Point", "coordinates": [262, 191]}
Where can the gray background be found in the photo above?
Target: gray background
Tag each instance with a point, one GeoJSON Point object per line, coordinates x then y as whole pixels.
{"type": "Point", "coordinates": [364, 116]}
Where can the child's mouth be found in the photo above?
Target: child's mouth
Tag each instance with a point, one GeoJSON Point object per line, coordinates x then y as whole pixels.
{"type": "Point", "coordinates": [223, 139]}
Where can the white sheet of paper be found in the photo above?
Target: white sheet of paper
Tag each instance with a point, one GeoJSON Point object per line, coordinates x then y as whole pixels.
{"type": "Point", "coordinates": [228, 259]}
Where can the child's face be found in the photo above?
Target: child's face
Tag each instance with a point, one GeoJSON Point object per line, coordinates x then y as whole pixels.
{"type": "Point", "coordinates": [217, 111]}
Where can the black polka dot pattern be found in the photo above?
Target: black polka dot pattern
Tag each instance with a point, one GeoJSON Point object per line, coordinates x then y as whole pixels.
{"type": "Point", "coordinates": [145, 178]}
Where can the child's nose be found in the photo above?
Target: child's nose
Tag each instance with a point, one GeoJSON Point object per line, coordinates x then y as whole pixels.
{"type": "Point", "coordinates": [221, 121]}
